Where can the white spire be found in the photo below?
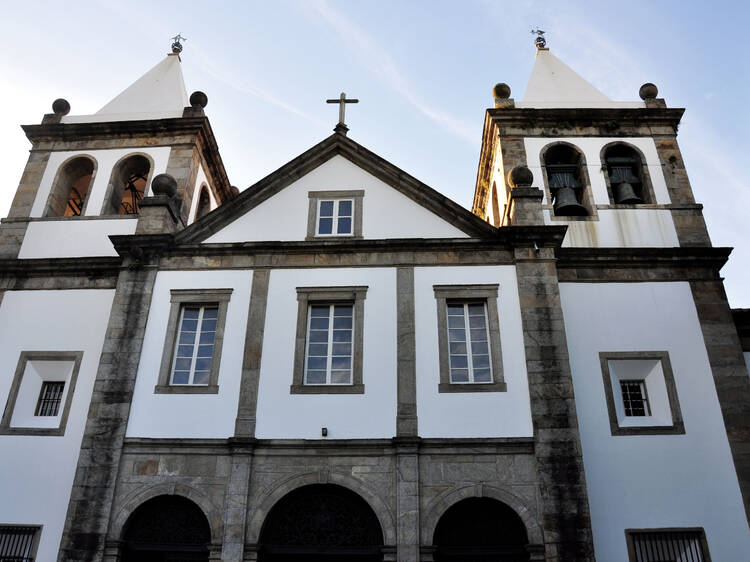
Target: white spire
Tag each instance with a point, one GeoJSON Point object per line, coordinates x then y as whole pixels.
{"type": "Point", "coordinates": [554, 84]}
{"type": "Point", "coordinates": [158, 94]}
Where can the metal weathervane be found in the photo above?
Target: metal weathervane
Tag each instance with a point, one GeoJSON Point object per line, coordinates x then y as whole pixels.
{"type": "Point", "coordinates": [177, 43]}
{"type": "Point", "coordinates": [540, 41]}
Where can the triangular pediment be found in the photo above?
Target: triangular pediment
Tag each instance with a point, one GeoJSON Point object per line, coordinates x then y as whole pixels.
{"type": "Point", "coordinates": [394, 204]}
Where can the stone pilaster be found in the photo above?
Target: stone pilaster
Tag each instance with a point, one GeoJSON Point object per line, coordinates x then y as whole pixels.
{"type": "Point", "coordinates": [182, 165]}
{"type": "Point", "coordinates": [513, 153]}
{"type": "Point", "coordinates": [235, 501]}
{"type": "Point", "coordinates": [407, 499]}
{"type": "Point", "coordinates": [159, 214]}
{"type": "Point", "coordinates": [525, 204]}
{"type": "Point", "coordinates": [563, 503]}
{"type": "Point", "coordinates": [729, 372]}
{"type": "Point", "coordinates": [93, 489]}
{"type": "Point", "coordinates": [406, 415]}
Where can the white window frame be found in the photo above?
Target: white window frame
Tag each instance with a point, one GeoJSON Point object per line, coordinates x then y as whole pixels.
{"type": "Point", "coordinates": [336, 217]}
{"type": "Point", "coordinates": [317, 198]}
{"type": "Point", "coordinates": [329, 343]}
{"type": "Point", "coordinates": [196, 344]}
{"type": "Point", "coordinates": [464, 304]}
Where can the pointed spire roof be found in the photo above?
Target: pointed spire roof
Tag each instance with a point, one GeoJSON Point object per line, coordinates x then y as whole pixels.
{"type": "Point", "coordinates": [158, 94]}
{"type": "Point", "coordinates": [554, 84]}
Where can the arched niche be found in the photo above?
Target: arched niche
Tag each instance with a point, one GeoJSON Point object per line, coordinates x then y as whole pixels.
{"type": "Point", "coordinates": [166, 528]}
{"type": "Point", "coordinates": [321, 522]}
{"type": "Point", "coordinates": [127, 185]}
{"type": "Point", "coordinates": [204, 203]}
{"type": "Point", "coordinates": [480, 529]}
{"type": "Point", "coordinates": [566, 180]}
{"type": "Point", "coordinates": [71, 187]}
{"type": "Point", "coordinates": [622, 161]}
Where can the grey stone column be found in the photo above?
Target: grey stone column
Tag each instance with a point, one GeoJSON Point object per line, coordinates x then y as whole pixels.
{"type": "Point", "coordinates": [407, 499]}
{"type": "Point", "coordinates": [729, 372]}
{"type": "Point", "coordinates": [563, 502]}
{"type": "Point", "coordinates": [183, 163]}
{"type": "Point", "coordinates": [90, 503]}
{"type": "Point", "coordinates": [235, 501]}
{"type": "Point", "coordinates": [406, 411]}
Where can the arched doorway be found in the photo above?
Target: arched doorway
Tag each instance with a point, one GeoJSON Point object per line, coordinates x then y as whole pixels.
{"type": "Point", "coordinates": [166, 529]}
{"type": "Point", "coordinates": [480, 530]}
{"type": "Point", "coordinates": [321, 523]}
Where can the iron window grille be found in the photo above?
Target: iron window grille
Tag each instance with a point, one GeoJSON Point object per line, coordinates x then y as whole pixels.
{"type": "Point", "coordinates": [50, 398]}
{"type": "Point", "coordinates": [195, 345]}
{"type": "Point", "coordinates": [17, 543]}
{"type": "Point", "coordinates": [666, 546]}
{"type": "Point", "coordinates": [634, 398]}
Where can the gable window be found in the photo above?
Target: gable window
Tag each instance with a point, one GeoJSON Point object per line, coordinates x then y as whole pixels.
{"type": "Point", "coordinates": [18, 543]}
{"type": "Point", "coordinates": [640, 392]}
{"type": "Point", "coordinates": [334, 214]}
{"type": "Point", "coordinates": [469, 338]}
{"type": "Point", "coordinates": [663, 545]}
{"type": "Point", "coordinates": [41, 393]}
{"type": "Point", "coordinates": [329, 342]}
{"type": "Point", "coordinates": [127, 186]}
{"type": "Point", "coordinates": [566, 180]}
{"type": "Point", "coordinates": [70, 190]}
{"type": "Point", "coordinates": [192, 348]}
{"type": "Point", "coordinates": [627, 177]}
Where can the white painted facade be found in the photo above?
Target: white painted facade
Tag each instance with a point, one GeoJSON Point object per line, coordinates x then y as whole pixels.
{"type": "Point", "coordinates": [386, 213]}
{"type": "Point", "coordinates": [36, 472]}
{"type": "Point", "coordinates": [651, 481]}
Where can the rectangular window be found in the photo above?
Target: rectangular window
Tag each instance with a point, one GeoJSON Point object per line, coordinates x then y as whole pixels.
{"type": "Point", "coordinates": [329, 344]}
{"type": "Point", "coordinates": [468, 342]}
{"type": "Point", "coordinates": [328, 349]}
{"type": "Point", "coordinates": [18, 543]}
{"type": "Point", "coordinates": [192, 345]}
{"type": "Point", "coordinates": [634, 397]}
{"type": "Point", "coordinates": [195, 345]}
{"type": "Point", "coordinates": [50, 398]}
{"type": "Point", "coordinates": [335, 217]}
{"type": "Point", "coordinates": [676, 545]}
{"type": "Point", "coordinates": [469, 349]}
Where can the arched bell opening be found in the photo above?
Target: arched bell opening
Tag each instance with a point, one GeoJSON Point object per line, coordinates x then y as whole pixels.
{"type": "Point", "coordinates": [321, 523]}
{"type": "Point", "coordinates": [204, 203]}
{"type": "Point", "coordinates": [566, 180]}
{"type": "Point", "coordinates": [70, 190]}
{"type": "Point", "coordinates": [480, 530]}
{"type": "Point", "coordinates": [626, 175]}
{"type": "Point", "coordinates": [166, 529]}
{"type": "Point", "coordinates": [128, 185]}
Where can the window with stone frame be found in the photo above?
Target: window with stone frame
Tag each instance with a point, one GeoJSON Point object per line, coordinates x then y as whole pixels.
{"type": "Point", "coordinates": [329, 340]}
{"type": "Point", "coordinates": [192, 348]}
{"type": "Point", "coordinates": [469, 349]}
{"type": "Point", "coordinates": [640, 393]}
{"type": "Point", "coordinates": [335, 214]}
{"type": "Point", "coordinates": [18, 543]}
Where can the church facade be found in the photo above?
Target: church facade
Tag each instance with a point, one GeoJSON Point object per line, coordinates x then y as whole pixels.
{"type": "Point", "coordinates": [340, 363]}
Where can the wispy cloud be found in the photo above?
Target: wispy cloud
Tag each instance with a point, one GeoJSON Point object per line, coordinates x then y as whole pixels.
{"type": "Point", "coordinates": [377, 59]}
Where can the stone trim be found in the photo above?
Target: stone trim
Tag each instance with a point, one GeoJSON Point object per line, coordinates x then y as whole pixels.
{"type": "Point", "coordinates": [632, 557]}
{"type": "Point", "coordinates": [648, 187]}
{"type": "Point", "coordinates": [256, 320]}
{"type": "Point", "coordinates": [587, 199]}
{"type": "Point", "coordinates": [312, 214]}
{"type": "Point", "coordinates": [486, 294]}
{"type": "Point", "coordinates": [25, 357]}
{"type": "Point", "coordinates": [305, 297]}
{"type": "Point", "coordinates": [677, 427]}
{"type": "Point", "coordinates": [180, 297]}
{"type": "Point", "coordinates": [406, 373]}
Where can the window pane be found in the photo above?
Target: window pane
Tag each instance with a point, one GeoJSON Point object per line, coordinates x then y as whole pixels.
{"type": "Point", "coordinates": [189, 325]}
{"type": "Point", "coordinates": [191, 313]}
{"type": "Point", "coordinates": [342, 336]}
{"type": "Point", "coordinates": [316, 363]}
{"type": "Point", "coordinates": [459, 362]}
{"type": "Point", "coordinates": [341, 362]}
{"type": "Point", "coordinates": [344, 226]}
{"type": "Point", "coordinates": [325, 226]}
{"type": "Point", "coordinates": [476, 309]}
{"type": "Point", "coordinates": [187, 337]}
{"type": "Point", "coordinates": [455, 310]}
{"type": "Point", "coordinates": [185, 351]}
{"type": "Point", "coordinates": [456, 322]}
{"type": "Point", "coordinates": [343, 310]}
{"type": "Point", "coordinates": [319, 311]}
{"type": "Point", "coordinates": [480, 361]}
{"type": "Point", "coordinates": [342, 323]}
{"type": "Point", "coordinates": [326, 208]}
{"type": "Point", "coordinates": [457, 335]}
{"type": "Point", "coordinates": [210, 312]}
{"type": "Point", "coordinates": [342, 349]}
{"type": "Point", "coordinates": [316, 377]}
{"type": "Point", "coordinates": [317, 336]}
{"type": "Point", "coordinates": [207, 337]}
{"type": "Point", "coordinates": [318, 349]}
{"type": "Point", "coordinates": [205, 350]}
{"type": "Point", "coordinates": [476, 321]}
{"type": "Point", "coordinates": [459, 375]}
{"type": "Point", "coordinates": [180, 377]}
{"type": "Point", "coordinates": [345, 208]}
{"type": "Point", "coordinates": [482, 375]}
{"type": "Point", "coordinates": [478, 335]}
{"type": "Point", "coordinates": [202, 364]}
{"type": "Point", "coordinates": [319, 323]}
{"type": "Point", "coordinates": [201, 377]}
{"type": "Point", "coordinates": [457, 347]}
{"type": "Point", "coordinates": [208, 325]}
{"type": "Point", "coordinates": [182, 364]}
{"type": "Point", "coordinates": [341, 377]}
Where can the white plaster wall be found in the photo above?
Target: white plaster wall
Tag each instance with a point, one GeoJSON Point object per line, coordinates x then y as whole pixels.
{"type": "Point", "coordinates": [191, 415]}
{"type": "Point", "coordinates": [661, 480]}
{"type": "Point", "coordinates": [386, 212]}
{"type": "Point", "coordinates": [471, 414]}
{"type": "Point", "coordinates": [283, 415]}
{"type": "Point", "coordinates": [105, 161]}
{"type": "Point", "coordinates": [73, 238]}
{"type": "Point", "coordinates": [200, 179]}
{"type": "Point", "coordinates": [36, 472]}
{"type": "Point", "coordinates": [640, 227]}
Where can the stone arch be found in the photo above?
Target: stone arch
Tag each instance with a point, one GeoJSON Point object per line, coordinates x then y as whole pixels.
{"type": "Point", "coordinates": [135, 500]}
{"type": "Point", "coordinates": [280, 489]}
{"type": "Point", "coordinates": [446, 500]}
{"type": "Point", "coordinates": [648, 187]}
{"type": "Point", "coordinates": [114, 195]}
{"type": "Point", "coordinates": [60, 193]}
{"type": "Point", "coordinates": [203, 206]}
{"type": "Point", "coordinates": [587, 198]}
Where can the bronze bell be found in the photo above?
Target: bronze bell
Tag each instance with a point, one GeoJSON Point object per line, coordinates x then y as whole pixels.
{"type": "Point", "coordinates": [625, 194]}
{"type": "Point", "coordinates": [566, 203]}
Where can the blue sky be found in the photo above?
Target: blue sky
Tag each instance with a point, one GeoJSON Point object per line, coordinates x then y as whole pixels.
{"type": "Point", "coordinates": [422, 70]}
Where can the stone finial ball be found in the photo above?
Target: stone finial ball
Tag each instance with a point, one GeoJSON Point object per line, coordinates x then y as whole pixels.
{"type": "Point", "coordinates": [234, 191]}
{"type": "Point", "coordinates": [520, 176]}
{"type": "Point", "coordinates": [198, 100]}
{"type": "Point", "coordinates": [501, 91]}
{"type": "Point", "coordinates": [164, 184]}
{"type": "Point", "coordinates": [648, 91]}
{"type": "Point", "coordinates": [60, 106]}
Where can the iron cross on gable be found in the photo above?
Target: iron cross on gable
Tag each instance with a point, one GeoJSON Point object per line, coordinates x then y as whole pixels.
{"type": "Point", "coordinates": [342, 101]}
